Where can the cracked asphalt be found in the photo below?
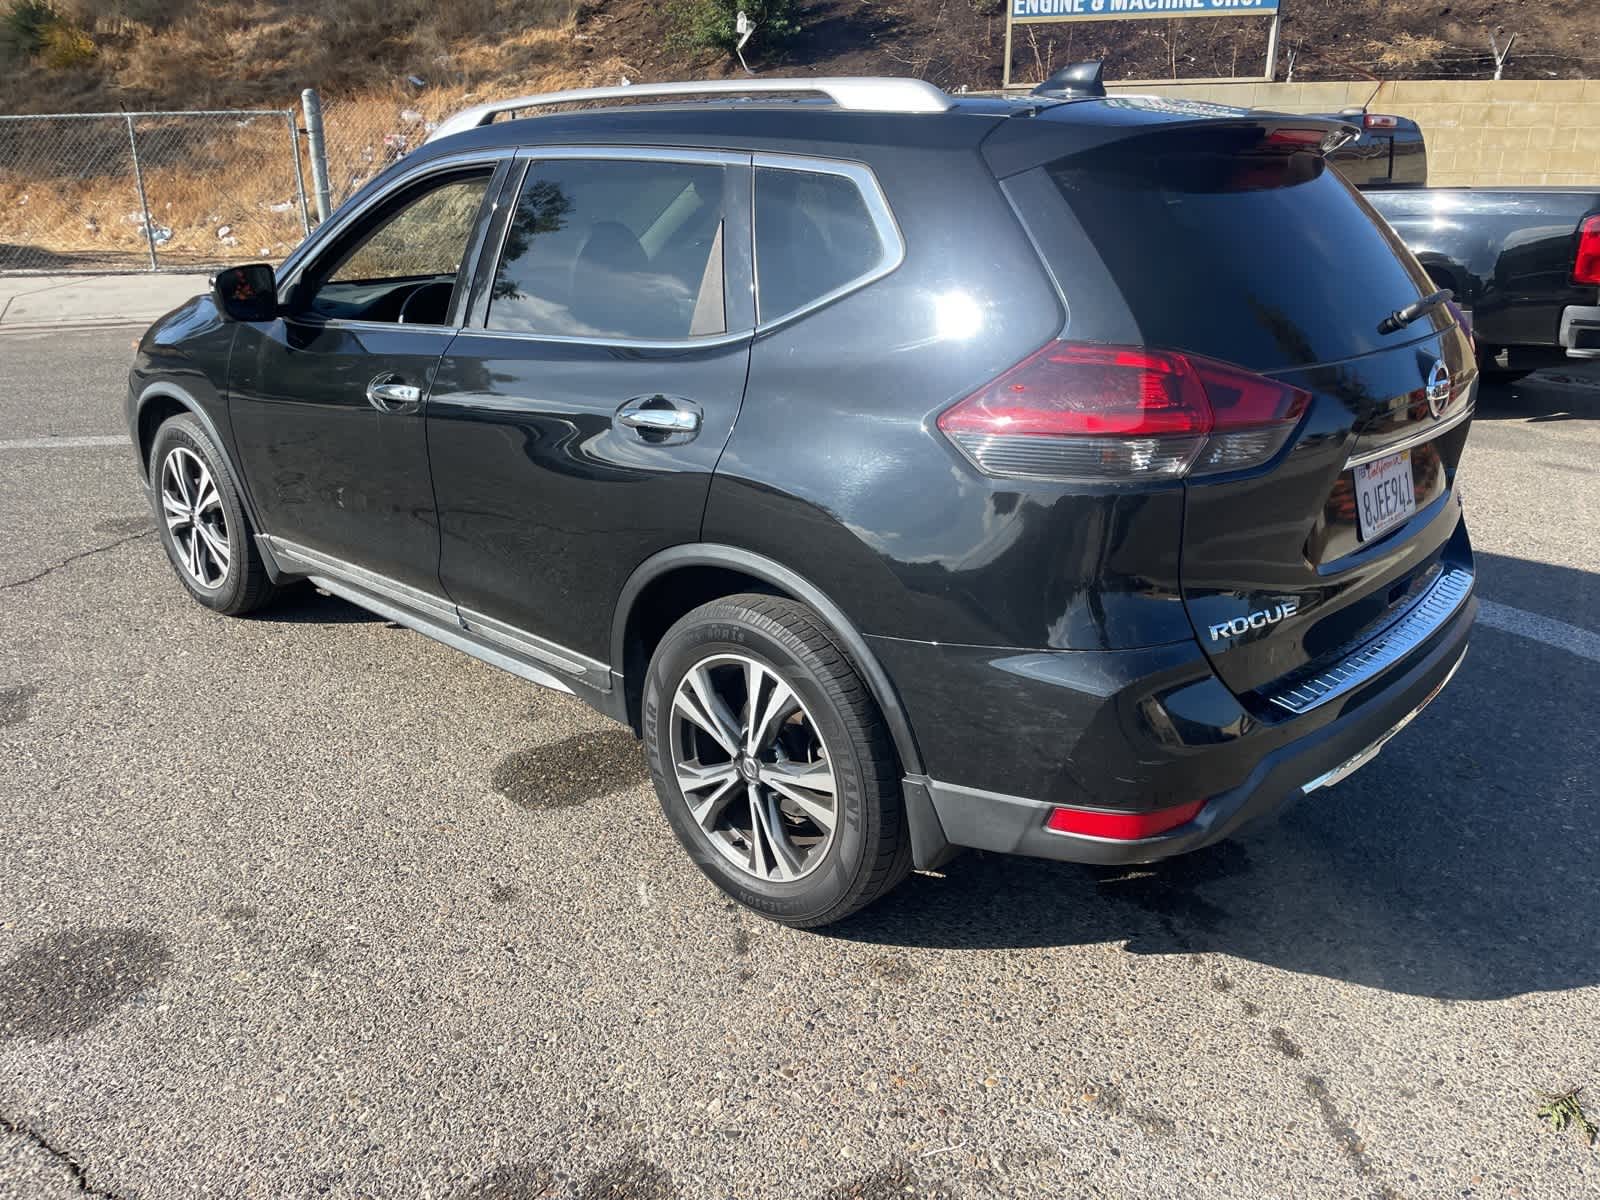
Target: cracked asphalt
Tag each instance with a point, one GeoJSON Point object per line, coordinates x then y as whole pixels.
{"type": "Point", "coordinates": [307, 906]}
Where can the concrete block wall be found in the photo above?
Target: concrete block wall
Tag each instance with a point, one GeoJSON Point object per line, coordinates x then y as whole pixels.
{"type": "Point", "coordinates": [1480, 132]}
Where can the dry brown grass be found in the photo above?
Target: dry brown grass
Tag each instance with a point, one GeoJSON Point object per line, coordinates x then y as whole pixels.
{"type": "Point", "coordinates": [219, 187]}
{"type": "Point", "coordinates": [259, 53]}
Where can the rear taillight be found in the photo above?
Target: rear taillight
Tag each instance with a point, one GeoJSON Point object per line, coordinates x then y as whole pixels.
{"type": "Point", "coordinates": [1586, 267]}
{"type": "Point", "coordinates": [1092, 413]}
{"type": "Point", "coordinates": [1380, 121]}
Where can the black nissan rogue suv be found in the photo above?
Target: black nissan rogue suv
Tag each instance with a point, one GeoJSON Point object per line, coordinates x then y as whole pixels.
{"type": "Point", "coordinates": [1059, 477]}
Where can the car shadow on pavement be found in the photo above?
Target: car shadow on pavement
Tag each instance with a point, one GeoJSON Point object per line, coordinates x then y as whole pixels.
{"type": "Point", "coordinates": [304, 604]}
{"type": "Point", "coordinates": [1570, 392]}
{"type": "Point", "coordinates": [1462, 863]}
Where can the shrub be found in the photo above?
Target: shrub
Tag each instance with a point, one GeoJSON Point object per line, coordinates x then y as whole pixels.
{"type": "Point", "coordinates": [37, 29]}
{"type": "Point", "coordinates": [710, 24]}
{"type": "Point", "coordinates": [23, 27]}
{"type": "Point", "coordinates": [65, 46]}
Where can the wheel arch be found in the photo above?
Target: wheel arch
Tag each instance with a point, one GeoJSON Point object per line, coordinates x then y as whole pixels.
{"type": "Point", "coordinates": [161, 400]}
{"type": "Point", "coordinates": [701, 566]}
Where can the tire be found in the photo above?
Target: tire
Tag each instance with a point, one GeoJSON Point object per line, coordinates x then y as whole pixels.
{"type": "Point", "coordinates": [811, 873]}
{"type": "Point", "coordinates": [241, 585]}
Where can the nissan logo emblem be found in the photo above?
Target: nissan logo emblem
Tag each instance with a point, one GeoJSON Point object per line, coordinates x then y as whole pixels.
{"type": "Point", "coordinates": [1438, 389]}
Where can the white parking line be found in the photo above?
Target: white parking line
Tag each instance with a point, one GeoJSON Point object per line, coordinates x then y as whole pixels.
{"type": "Point", "coordinates": [64, 443]}
{"type": "Point", "coordinates": [1559, 634]}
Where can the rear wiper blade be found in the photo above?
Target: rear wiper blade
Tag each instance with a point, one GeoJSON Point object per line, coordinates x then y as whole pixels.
{"type": "Point", "coordinates": [1401, 317]}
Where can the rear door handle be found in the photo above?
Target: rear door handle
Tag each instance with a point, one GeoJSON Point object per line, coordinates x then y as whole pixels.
{"type": "Point", "coordinates": [660, 418]}
{"type": "Point", "coordinates": [391, 394]}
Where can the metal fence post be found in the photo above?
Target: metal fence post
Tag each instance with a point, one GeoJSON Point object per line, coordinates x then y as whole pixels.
{"type": "Point", "coordinates": [144, 201]}
{"type": "Point", "coordinates": [299, 175]}
{"type": "Point", "coordinates": [312, 103]}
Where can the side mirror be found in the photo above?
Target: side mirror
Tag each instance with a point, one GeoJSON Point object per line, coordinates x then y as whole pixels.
{"type": "Point", "coordinates": [248, 293]}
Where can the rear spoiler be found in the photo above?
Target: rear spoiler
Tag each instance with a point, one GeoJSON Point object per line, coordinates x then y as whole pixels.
{"type": "Point", "coordinates": [1017, 145]}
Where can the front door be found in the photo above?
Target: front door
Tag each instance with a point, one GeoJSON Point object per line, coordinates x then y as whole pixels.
{"type": "Point", "coordinates": [575, 423]}
{"type": "Point", "coordinates": [327, 400]}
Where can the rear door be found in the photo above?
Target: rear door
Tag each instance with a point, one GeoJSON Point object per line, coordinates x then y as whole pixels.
{"type": "Point", "coordinates": [574, 424]}
{"type": "Point", "coordinates": [1255, 252]}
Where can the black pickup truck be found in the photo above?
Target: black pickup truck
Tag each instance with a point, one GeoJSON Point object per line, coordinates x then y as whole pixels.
{"type": "Point", "coordinates": [1524, 262]}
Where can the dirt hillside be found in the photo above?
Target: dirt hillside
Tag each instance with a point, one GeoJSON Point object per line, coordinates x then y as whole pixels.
{"type": "Point", "coordinates": [195, 53]}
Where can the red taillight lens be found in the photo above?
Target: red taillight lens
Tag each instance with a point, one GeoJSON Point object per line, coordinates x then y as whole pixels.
{"type": "Point", "coordinates": [1074, 411]}
{"type": "Point", "coordinates": [1119, 826]}
{"type": "Point", "coordinates": [1586, 267]}
{"type": "Point", "coordinates": [1380, 121]}
{"type": "Point", "coordinates": [1289, 139]}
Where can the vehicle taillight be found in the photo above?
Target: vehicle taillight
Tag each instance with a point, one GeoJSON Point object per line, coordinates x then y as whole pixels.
{"type": "Point", "coordinates": [1380, 121]}
{"type": "Point", "coordinates": [1296, 138]}
{"type": "Point", "coordinates": [1586, 267]}
{"type": "Point", "coordinates": [1082, 412]}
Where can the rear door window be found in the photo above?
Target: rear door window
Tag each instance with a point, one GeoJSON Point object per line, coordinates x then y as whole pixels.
{"type": "Point", "coordinates": [1266, 260]}
{"type": "Point", "coordinates": [819, 232]}
{"type": "Point", "coordinates": [614, 250]}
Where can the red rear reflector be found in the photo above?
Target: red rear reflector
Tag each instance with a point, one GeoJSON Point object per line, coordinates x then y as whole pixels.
{"type": "Point", "coordinates": [1082, 411]}
{"type": "Point", "coordinates": [1380, 121]}
{"type": "Point", "coordinates": [1586, 267]}
{"type": "Point", "coordinates": [1121, 826]}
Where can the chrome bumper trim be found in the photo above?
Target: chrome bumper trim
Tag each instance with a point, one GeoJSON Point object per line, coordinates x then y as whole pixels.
{"type": "Point", "coordinates": [1426, 434]}
{"type": "Point", "coordinates": [1353, 764]}
{"type": "Point", "coordinates": [1431, 610]}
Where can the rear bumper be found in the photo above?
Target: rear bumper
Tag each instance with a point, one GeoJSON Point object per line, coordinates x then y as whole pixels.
{"type": "Point", "coordinates": [1159, 741]}
{"type": "Point", "coordinates": [1580, 331]}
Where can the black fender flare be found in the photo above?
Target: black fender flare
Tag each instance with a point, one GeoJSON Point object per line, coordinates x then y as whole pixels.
{"type": "Point", "coordinates": [711, 554]}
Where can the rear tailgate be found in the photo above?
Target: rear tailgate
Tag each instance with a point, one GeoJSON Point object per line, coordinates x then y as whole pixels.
{"type": "Point", "coordinates": [1247, 248]}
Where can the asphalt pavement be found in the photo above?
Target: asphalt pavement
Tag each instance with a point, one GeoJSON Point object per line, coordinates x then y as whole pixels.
{"type": "Point", "coordinates": [306, 905]}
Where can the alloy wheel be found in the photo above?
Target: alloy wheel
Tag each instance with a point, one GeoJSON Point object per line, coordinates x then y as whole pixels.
{"type": "Point", "coordinates": [753, 768]}
{"type": "Point", "coordinates": [192, 508]}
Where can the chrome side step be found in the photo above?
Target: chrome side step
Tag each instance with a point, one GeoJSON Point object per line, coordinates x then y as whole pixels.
{"type": "Point", "coordinates": [523, 654]}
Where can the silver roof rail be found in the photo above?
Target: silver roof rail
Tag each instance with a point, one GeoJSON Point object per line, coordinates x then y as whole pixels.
{"type": "Point", "coordinates": [862, 95]}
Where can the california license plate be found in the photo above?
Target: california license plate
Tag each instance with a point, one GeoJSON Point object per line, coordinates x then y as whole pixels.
{"type": "Point", "coordinates": [1385, 494]}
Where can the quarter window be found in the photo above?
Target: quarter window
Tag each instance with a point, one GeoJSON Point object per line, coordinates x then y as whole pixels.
{"type": "Point", "coordinates": [815, 235]}
{"type": "Point", "coordinates": [614, 249]}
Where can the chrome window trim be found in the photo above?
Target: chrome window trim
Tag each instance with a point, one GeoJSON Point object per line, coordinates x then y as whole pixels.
{"type": "Point", "coordinates": [336, 226]}
{"type": "Point", "coordinates": [709, 342]}
{"type": "Point", "coordinates": [683, 154]}
{"type": "Point", "coordinates": [1427, 434]}
{"type": "Point", "coordinates": [535, 154]}
{"type": "Point", "coordinates": [1419, 622]}
{"type": "Point", "coordinates": [890, 241]}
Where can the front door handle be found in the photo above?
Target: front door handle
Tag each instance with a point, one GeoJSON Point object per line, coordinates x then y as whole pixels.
{"type": "Point", "coordinates": [659, 418]}
{"type": "Point", "coordinates": [390, 394]}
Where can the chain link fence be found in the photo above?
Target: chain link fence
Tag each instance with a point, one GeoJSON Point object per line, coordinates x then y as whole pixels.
{"type": "Point", "coordinates": [150, 191]}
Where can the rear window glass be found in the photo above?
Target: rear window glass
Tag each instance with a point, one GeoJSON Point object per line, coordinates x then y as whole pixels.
{"type": "Point", "coordinates": [1266, 260]}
